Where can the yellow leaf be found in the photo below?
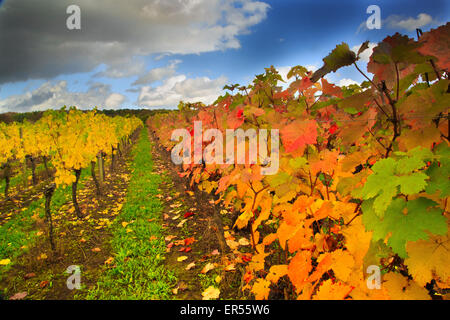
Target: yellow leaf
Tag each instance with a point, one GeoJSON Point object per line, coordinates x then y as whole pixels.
{"type": "Point", "coordinates": [244, 242]}
{"type": "Point", "coordinates": [332, 291]}
{"type": "Point", "coordinates": [261, 289]}
{"type": "Point", "coordinates": [208, 267]}
{"type": "Point", "coordinates": [182, 258]}
{"type": "Point", "coordinates": [276, 272]}
{"type": "Point", "coordinates": [357, 240]}
{"type": "Point", "coordinates": [5, 262]}
{"type": "Point", "coordinates": [190, 266]}
{"type": "Point", "coordinates": [429, 260]}
{"type": "Point", "coordinates": [400, 288]}
{"type": "Point", "coordinates": [211, 293]}
{"type": "Point", "coordinates": [343, 263]}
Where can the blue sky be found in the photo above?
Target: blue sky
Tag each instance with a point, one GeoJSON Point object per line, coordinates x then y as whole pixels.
{"type": "Point", "coordinates": [236, 40]}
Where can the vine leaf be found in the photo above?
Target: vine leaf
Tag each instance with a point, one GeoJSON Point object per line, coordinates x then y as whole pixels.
{"type": "Point", "coordinates": [400, 288]}
{"type": "Point", "coordinates": [341, 56]}
{"type": "Point", "coordinates": [436, 43]}
{"type": "Point", "coordinates": [428, 258]}
{"type": "Point", "coordinates": [404, 221]}
{"type": "Point", "coordinates": [391, 176]}
{"type": "Point", "coordinates": [298, 134]}
{"type": "Point", "coordinates": [332, 291]}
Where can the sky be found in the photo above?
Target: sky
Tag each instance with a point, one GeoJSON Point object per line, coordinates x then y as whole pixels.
{"type": "Point", "coordinates": [153, 53]}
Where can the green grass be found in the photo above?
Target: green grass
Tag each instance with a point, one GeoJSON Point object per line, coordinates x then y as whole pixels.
{"type": "Point", "coordinates": [18, 231]}
{"type": "Point", "coordinates": [21, 177]}
{"type": "Point", "coordinates": [138, 270]}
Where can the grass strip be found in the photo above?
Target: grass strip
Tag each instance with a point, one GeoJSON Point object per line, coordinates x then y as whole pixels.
{"type": "Point", "coordinates": [138, 271]}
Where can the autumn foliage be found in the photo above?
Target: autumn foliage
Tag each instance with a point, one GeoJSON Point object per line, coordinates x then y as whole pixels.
{"type": "Point", "coordinates": [363, 178]}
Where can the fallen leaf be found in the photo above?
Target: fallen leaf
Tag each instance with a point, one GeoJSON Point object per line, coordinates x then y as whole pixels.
{"type": "Point", "coordinates": [215, 252]}
{"type": "Point", "coordinates": [208, 267]}
{"type": "Point", "coordinates": [43, 284]}
{"type": "Point", "coordinates": [96, 250]}
{"type": "Point", "coordinates": [181, 223]}
{"type": "Point", "coordinates": [244, 242]}
{"type": "Point", "coordinates": [230, 267]}
{"type": "Point", "coordinates": [5, 262]}
{"type": "Point", "coordinates": [182, 258]}
{"type": "Point", "coordinates": [109, 260]}
{"type": "Point", "coordinates": [19, 296]}
{"type": "Point", "coordinates": [29, 275]}
{"type": "Point", "coordinates": [188, 214]}
{"type": "Point", "coordinates": [170, 238]}
{"type": "Point", "coordinates": [189, 241]}
{"type": "Point", "coordinates": [190, 266]}
{"type": "Point", "coordinates": [211, 293]}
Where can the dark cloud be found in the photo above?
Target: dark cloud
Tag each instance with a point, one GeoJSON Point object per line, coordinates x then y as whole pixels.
{"type": "Point", "coordinates": [35, 43]}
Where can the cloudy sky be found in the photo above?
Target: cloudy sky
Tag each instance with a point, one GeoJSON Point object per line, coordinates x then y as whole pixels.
{"type": "Point", "coordinates": [154, 53]}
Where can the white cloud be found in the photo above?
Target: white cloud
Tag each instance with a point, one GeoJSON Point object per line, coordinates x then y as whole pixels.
{"type": "Point", "coordinates": [365, 55]}
{"type": "Point", "coordinates": [346, 82]}
{"type": "Point", "coordinates": [114, 101]}
{"type": "Point", "coordinates": [404, 23]}
{"type": "Point", "coordinates": [178, 88]}
{"type": "Point", "coordinates": [283, 71]}
{"type": "Point", "coordinates": [157, 74]}
{"type": "Point", "coordinates": [410, 23]}
{"type": "Point", "coordinates": [55, 95]}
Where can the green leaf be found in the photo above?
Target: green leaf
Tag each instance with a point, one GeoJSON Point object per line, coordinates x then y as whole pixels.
{"type": "Point", "coordinates": [422, 216]}
{"type": "Point", "coordinates": [392, 176]}
{"type": "Point", "coordinates": [341, 56]}
{"type": "Point", "coordinates": [377, 251]}
{"type": "Point", "coordinates": [278, 179]}
{"type": "Point", "coordinates": [413, 183]}
{"type": "Point", "coordinates": [298, 162]}
{"type": "Point", "coordinates": [439, 171]}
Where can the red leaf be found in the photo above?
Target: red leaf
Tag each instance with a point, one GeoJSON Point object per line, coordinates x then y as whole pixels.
{"type": "Point", "coordinates": [333, 129]}
{"type": "Point", "coordinates": [236, 118]}
{"type": "Point", "coordinates": [188, 214]}
{"type": "Point", "coordinates": [330, 89]}
{"type": "Point", "coordinates": [436, 43]}
{"type": "Point", "coordinates": [298, 134]}
{"type": "Point", "coordinates": [188, 241]}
